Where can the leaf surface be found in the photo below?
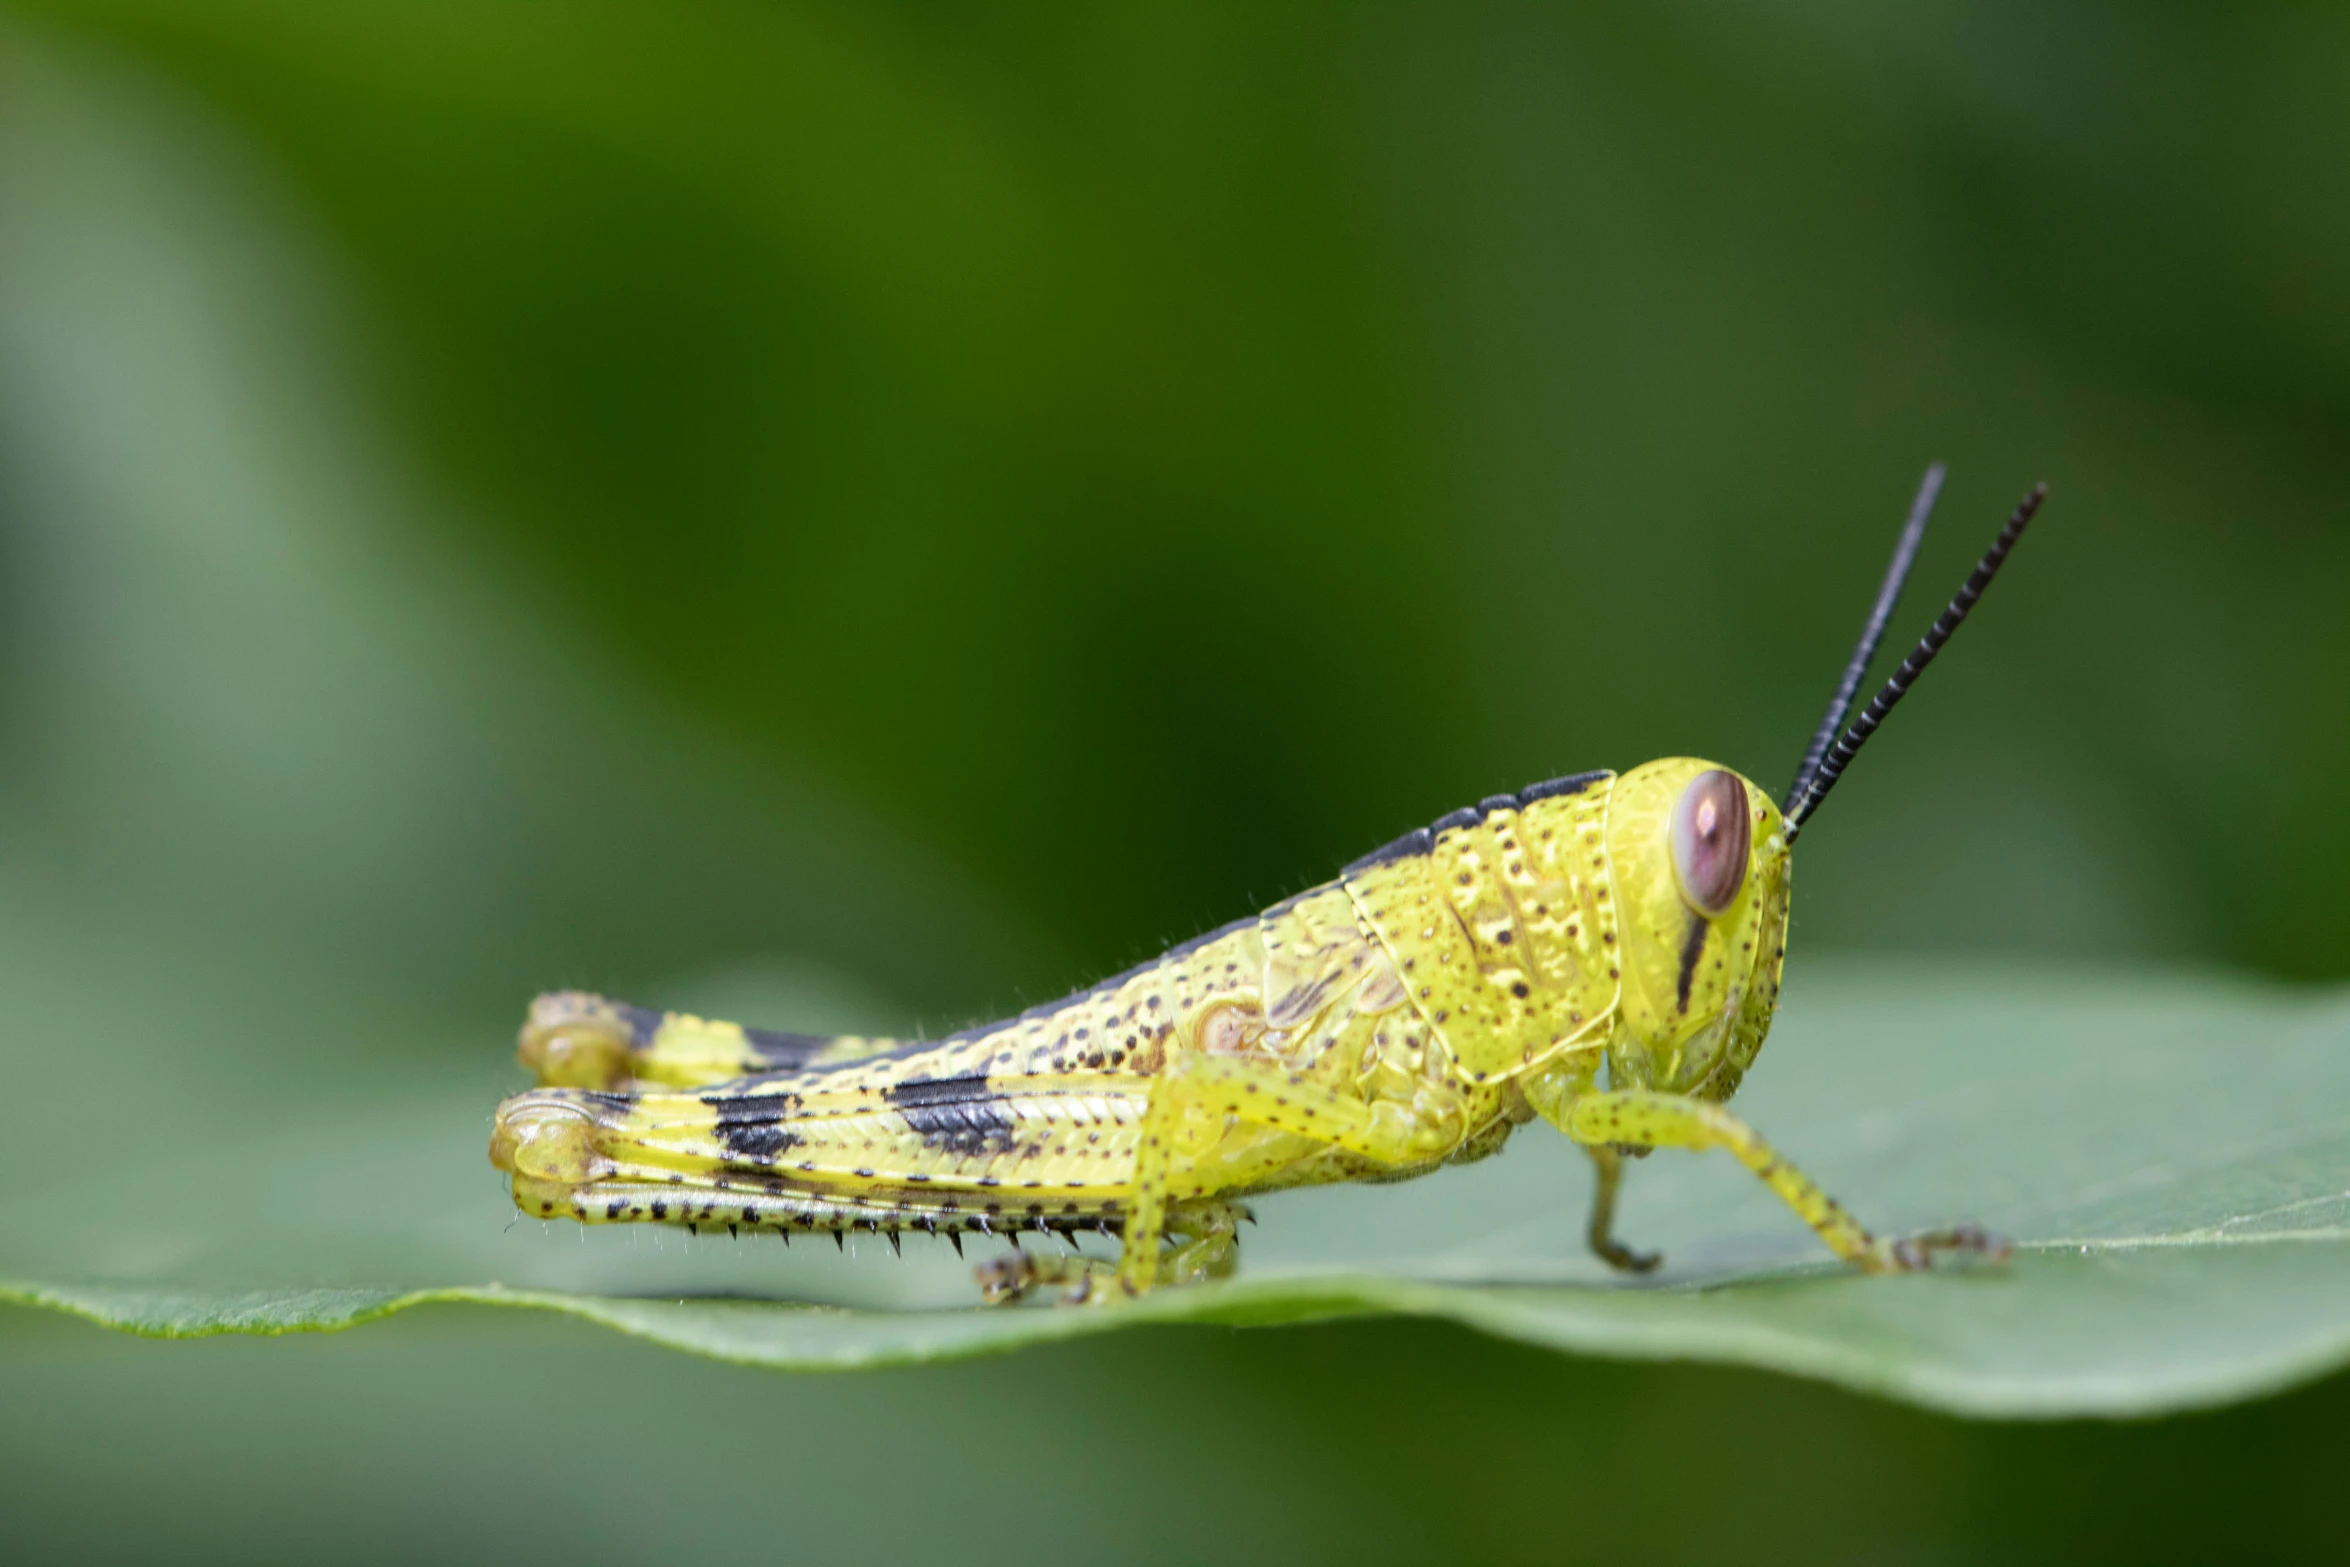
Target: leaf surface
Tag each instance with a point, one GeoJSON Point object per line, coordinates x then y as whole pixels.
{"type": "Point", "coordinates": [2182, 1229]}
{"type": "Point", "coordinates": [301, 804]}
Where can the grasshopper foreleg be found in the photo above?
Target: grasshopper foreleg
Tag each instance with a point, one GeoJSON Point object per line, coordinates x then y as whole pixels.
{"type": "Point", "coordinates": [1553, 1093]}
{"type": "Point", "coordinates": [1639, 1118]}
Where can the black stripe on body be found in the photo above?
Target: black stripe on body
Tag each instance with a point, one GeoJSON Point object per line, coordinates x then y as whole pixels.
{"type": "Point", "coordinates": [1551, 789]}
{"type": "Point", "coordinates": [769, 1049]}
{"type": "Point", "coordinates": [1420, 840]}
{"type": "Point", "coordinates": [1410, 846]}
{"type": "Point", "coordinates": [1692, 948]}
{"type": "Point", "coordinates": [751, 1127]}
{"type": "Point", "coordinates": [962, 1115]}
{"type": "Point", "coordinates": [772, 1049]}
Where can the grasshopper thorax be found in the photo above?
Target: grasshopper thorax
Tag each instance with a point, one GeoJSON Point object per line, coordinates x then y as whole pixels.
{"type": "Point", "coordinates": [1700, 861]}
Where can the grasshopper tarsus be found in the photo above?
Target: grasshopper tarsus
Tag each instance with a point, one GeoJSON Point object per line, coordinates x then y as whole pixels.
{"type": "Point", "coordinates": [1003, 1280]}
{"type": "Point", "coordinates": [1624, 1259]}
{"type": "Point", "coordinates": [1916, 1253]}
{"type": "Point", "coordinates": [1014, 1276]}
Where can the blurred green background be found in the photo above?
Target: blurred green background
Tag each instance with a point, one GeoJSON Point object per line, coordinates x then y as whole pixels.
{"type": "Point", "coordinates": [894, 511]}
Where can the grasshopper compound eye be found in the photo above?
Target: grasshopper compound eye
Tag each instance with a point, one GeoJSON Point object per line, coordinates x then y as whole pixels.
{"type": "Point", "coordinates": [1711, 834]}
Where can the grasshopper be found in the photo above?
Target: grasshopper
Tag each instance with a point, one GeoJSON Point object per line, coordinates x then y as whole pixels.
{"type": "Point", "coordinates": [1600, 952]}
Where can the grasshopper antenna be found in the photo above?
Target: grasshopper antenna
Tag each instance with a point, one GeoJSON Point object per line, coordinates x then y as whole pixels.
{"type": "Point", "coordinates": [1905, 550]}
{"type": "Point", "coordinates": [1831, 766]}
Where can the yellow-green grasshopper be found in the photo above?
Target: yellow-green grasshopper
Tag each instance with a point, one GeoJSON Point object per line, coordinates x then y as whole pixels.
{"type": "Point", "coordinates": [1601, 952]}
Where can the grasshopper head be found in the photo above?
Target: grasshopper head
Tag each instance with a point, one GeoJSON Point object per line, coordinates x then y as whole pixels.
{"type": "Point", "coordinates": [1700, 860]}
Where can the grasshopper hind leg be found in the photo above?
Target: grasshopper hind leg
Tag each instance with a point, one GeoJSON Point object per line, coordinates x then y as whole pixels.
{"type": "Point", "coordinates": [572, 1039]}
{"type": "Point", "coordinates": [1208, 1248]}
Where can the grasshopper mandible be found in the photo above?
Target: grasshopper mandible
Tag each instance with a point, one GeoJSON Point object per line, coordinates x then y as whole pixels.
{"type": "Point", "coordinates": [1444, 990]}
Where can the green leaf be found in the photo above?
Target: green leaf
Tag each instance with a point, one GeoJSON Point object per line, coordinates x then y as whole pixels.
{"type": "Point", "coordinates": [301, 806]}
{"type": "Point", "coordinates": [2182, 1225]}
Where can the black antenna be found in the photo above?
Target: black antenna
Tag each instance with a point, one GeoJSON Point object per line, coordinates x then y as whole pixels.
{"type": "Point", "coordinates": [1833, 764]}
{"type": "Point", "coordinates": [1905, 550]}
